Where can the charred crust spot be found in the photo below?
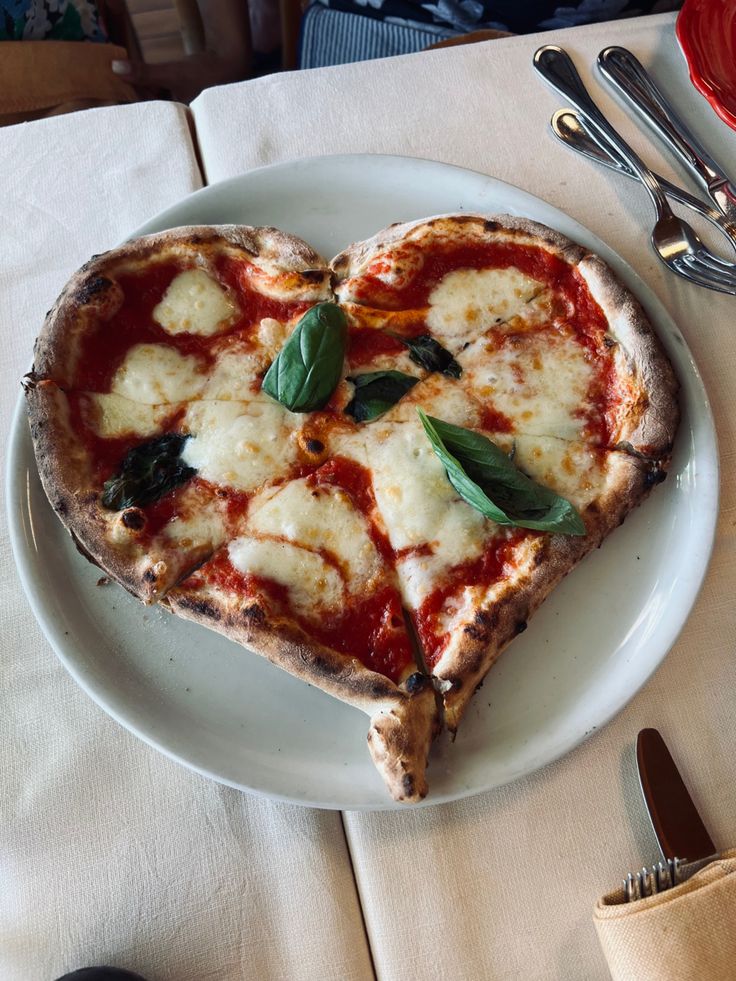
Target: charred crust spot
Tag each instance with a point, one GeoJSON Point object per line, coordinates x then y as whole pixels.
{"type": "Point", "coordinates": [204, 608]}
{"type": "Point", "coordinates": [315, 446]}
{"type": "Point", "coordinates": [196, 239]}
{"type": "Point", "coordinates": [407, 784]}
{"type": "Point", "coordinates": [609, 341]}
{"type": "Point", "coordinates": [87, 291]}
{"type": "Point", "coordinates": [485, 618]}
{"type": "Point", "coordinates": [520, 627]}
{"type": "Point", "coordinates": [28, 382]}
{"type": "Point", "coordinates": [60, 507]}
{"type": "Point", "coordinates": [490, 226]}
{"type": "Point", "coordinates": [149, 576]}
{"type": "Point", "coordinates": [254, 614]}
{"type": "Point", "coordinates": [476, 633]}
{"type": "Point", "coordinates": [377, 690]}
{"type": "Point", "coordinates": [313, 275]}
{"type": "Point", "coordinates": [655, 476]}
{"type": "Point", "coordinates": [134, 519]}
{"type": "Point", "coordinates": [415, 682]}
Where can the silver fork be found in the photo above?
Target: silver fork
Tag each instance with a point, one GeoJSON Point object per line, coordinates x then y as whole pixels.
{"type": "Point", "coordinates": [676, 242]}
{"type": "Point", "coordinates": [571, 130]}
{"type": "Point", "coordinates": [648, 882]}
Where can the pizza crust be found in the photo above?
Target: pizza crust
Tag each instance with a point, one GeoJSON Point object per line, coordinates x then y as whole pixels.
{"type": "Point", "coordinates": [456, 228]}
{"type": "Point", "coordinates": [404, 718]}
{"type": "Point", "coordinates": [649, 426]}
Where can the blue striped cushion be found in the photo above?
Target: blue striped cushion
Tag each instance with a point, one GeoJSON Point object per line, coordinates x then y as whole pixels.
{"type": "Point", "coordinates": [334, 37]}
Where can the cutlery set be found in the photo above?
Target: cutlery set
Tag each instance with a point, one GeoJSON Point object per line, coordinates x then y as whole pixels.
{"type": "Point", "coordinates": [586, 130]}
{"type": "Point", "coordinates": [683, 839]}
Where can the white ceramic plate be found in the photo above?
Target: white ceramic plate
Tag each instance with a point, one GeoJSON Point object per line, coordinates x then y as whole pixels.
{"type": "Point", "coordinates": [232, 716]}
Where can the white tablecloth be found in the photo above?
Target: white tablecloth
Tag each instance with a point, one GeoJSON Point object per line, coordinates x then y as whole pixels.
{"type": "Point", "coordinates": [108, 851]}
{"type": "Point", "coordinates": [514, 874]}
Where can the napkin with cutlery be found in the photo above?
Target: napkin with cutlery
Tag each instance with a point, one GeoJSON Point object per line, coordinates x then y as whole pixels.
{"type": "Point", "coordinates": [686, 933]}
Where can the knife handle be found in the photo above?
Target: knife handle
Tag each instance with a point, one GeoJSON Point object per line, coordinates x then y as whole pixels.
{"type": "Point", "coordinates": [628, 75]}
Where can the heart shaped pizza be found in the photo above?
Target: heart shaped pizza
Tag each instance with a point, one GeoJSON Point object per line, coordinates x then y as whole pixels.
{"type": "Point", "coordinates": [370, 471]}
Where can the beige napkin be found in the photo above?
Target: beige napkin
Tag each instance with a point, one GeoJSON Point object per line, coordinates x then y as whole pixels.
{"type": "Point", "coordinates": [684, 934]}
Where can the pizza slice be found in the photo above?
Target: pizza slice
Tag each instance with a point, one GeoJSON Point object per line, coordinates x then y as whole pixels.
{"type": "Point", "coordinates": [171, 311]}
{"type": "Point", "coordinates": [578, 362]}
{"type": "Point", "coordinates": [308, 582]}
{"type": "Point", "coordinates": [151, 491]}
{"type": "Point", "coordinates": [145, 397]}
{"type": "Point", "coordinates": [448, 279]}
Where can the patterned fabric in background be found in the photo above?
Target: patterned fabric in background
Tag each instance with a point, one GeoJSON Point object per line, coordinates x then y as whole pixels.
{"type": "Point", "coordinates": [57, 20]}
{"type": "Point", "coordinates": [516, 16]}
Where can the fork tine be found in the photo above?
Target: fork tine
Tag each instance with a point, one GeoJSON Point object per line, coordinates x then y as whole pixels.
{"type": "Point", "coordinates": [715, 260]}
{"type": "Point", "coordinates": [703, 276]}
{"type": "Point", "coordinates": [702, 264]}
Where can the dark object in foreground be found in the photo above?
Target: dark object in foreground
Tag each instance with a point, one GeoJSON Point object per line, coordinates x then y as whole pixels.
{"type": "Point", "coordinates": [102, 974]}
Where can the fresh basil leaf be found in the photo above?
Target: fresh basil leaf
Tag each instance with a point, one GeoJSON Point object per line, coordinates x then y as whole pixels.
{"type": "Point", "coordinates": [309, 366]}
{"type": "Point", "coordinates": [429, 353]}
{"type": "Point", "coordinates": [376, 392]}
{"type": "Point", "coordinates": [485, 477]}
{"type": "Point", "coordinates": [147, 473]}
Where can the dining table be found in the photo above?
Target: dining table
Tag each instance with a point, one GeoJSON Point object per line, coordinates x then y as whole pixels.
{"type": "Point", "coordinates": [114, 853]}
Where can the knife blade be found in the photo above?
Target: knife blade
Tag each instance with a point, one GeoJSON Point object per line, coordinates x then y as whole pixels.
{"type": "Point", "coordinates": [677, 825]}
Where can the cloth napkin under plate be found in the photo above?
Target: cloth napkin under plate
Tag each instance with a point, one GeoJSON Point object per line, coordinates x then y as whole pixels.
{"type": "Point", "coordinates": [686, 933]}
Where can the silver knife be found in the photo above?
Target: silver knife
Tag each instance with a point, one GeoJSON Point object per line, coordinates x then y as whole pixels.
{"type": "Point", "coordinates": [683, 838]}
{"type": "Point", "coordinates": [628, 75]}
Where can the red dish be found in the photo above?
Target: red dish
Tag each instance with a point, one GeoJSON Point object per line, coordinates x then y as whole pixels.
{"type": "Point", "coordinates": [706, 30]}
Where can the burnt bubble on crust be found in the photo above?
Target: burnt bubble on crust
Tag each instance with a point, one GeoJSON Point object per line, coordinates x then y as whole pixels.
{"type": "Point", "coordinates": [91, 288]}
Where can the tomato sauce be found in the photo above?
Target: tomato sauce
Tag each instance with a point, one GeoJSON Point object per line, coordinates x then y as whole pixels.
{"type": "Point", "coordinates": [494, 564]}
{"type": "Point", "coordinates": [370, 629]}
{"type": "Point", "coordinates": [104, 348]}
{"type": "Point", "coordinates": [239, 275]}
{"type": "Point", "coordinates": [355, 480]}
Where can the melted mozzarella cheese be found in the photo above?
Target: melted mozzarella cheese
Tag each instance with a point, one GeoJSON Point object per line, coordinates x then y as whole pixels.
{"type": "Point", "coordinates": [201, 528]}
{"type": "Point", "coordinates": [240, 445]}
{"type": "Point", "coordinates": [320, 518]}
{"type": "Point", "coordinates": [236, 375]}
{"type": "Point", "coordinates": [420, 507]}
{"type": "Point", "coordinates": [194, 304]}
{"type": "Point", "coordinates": [575, 471]}
{"type": "Point", "coordinates": [239, 369]}
{"type": "Point", "coordinates": [312, 582]}
{"type": "Point", "coordinates": [539, 381]}
{"type": "Point", "coordinates": [439, 396]}
{"type": "Point", "coordinates": [112, 416]}
{"type": "Point", "coordinates": [156, 374]}
{"type": "Point", "coordinates": [467, 302]}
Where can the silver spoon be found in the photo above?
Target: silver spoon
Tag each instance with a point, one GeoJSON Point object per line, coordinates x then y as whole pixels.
{"type": "Point", "coordinates": [571, 130]}
{"type": "Point", "coordinates": [673, 239]}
